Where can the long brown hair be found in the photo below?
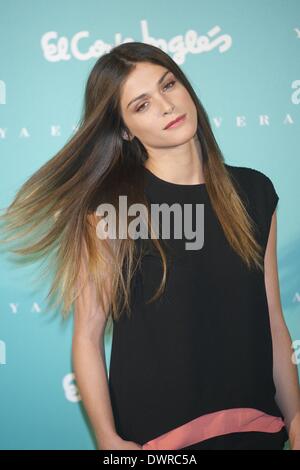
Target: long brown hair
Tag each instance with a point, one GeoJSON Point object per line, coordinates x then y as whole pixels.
{"type": "Point", "coordinates": [56, 206]}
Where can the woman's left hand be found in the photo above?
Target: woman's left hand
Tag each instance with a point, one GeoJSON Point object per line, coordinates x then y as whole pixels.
{"type": "Point", "coordinates": [295, 442]}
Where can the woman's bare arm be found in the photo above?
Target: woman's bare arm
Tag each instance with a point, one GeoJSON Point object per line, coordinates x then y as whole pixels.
{"type": "Point", "coordinates": [89, 363]}
{"type": "Point", "coordinates": [285, 371]}
{"type": "Point", "coordinates": [88, 356]}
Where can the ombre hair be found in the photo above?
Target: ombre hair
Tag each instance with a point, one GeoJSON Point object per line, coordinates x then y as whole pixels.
{"type": "Point", "coordinates": [56, 206]}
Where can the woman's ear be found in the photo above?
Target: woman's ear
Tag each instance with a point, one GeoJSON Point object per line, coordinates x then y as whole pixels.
{"type": "Point", "coordinates": [125, 135]}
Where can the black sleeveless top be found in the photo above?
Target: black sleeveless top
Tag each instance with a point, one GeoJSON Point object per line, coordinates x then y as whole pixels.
{"type": "Point", "coordinates": [196, 366]}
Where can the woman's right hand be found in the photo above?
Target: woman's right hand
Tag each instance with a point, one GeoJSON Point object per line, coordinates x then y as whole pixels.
{"type": "Point", "coordinates": [117, 443]}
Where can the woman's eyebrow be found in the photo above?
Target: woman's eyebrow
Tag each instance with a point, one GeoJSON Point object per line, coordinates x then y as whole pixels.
{"type": "Point", "coordinates": [143, 95]}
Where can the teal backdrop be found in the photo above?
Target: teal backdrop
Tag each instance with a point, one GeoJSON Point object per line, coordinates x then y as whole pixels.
{"type": "Point", "coordinates": [243, 59]}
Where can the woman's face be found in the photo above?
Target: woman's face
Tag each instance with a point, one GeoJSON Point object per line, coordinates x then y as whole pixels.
{"type": "Point", "coordinates": [161, 103]}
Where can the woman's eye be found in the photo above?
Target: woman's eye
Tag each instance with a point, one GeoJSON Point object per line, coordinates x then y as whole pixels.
{"type": "Point", "coordinates": [172, 82]}
{"type": "Point", "coordinates": [140, 107]}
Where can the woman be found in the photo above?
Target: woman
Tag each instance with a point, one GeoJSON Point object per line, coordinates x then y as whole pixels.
{"type": "Point", "coordinates": [195, 330]}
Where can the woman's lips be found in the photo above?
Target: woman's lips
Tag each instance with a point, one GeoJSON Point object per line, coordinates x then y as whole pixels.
{"type": "Point", "coordinates": [177, 123]}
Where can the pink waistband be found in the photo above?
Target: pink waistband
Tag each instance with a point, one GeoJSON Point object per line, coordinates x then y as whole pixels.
{"type": "Point", "coordinates": [216, 424]}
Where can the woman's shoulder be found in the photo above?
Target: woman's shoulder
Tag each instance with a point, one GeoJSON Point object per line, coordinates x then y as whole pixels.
{"type": "Point", "coordinates": [248, 175]}
{"type": "Point", "coordinates": [258, 192]}
{"type": "Point", "coordinates": [254, 183]}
